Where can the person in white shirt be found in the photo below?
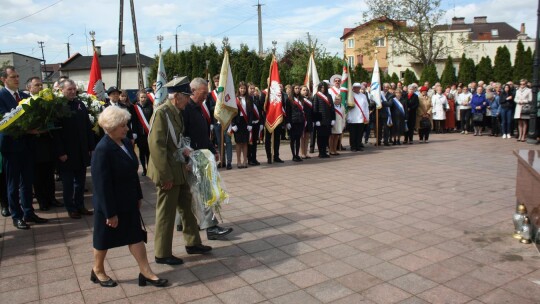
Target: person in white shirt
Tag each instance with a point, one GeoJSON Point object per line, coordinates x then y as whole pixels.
{"type": "Point", "coordinates": [358, 118]}
{"type": "Point", "coordinates": [523, 101]}
{"type": "Point", "coordinates": [440, 105]}
{"type": "Point", "coordinates": [464, 109]}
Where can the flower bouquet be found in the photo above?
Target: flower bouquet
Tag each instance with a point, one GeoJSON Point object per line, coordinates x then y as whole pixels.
{"type": "Point", "coordinates": [94, 107]}
{"type": "Point", "coordinates": [35, 114]}
{"type": "Point", "coordinates": [205, 183]}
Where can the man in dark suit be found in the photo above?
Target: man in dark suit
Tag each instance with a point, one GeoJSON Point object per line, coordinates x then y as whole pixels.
{"type": "Point", "coordinates": [74, 143]}
{"type": "Point", "coordinates": [17, 157]}
{"type": "Point", "coordinates": [197, 128]}
{"type": "Point", "coordinates": [133, 124]}
{"type": "Point", "coordinates": [384, 115]}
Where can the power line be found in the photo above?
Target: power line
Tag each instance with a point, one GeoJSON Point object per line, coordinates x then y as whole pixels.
{"type": "Point", "coordinates": [28, 16]}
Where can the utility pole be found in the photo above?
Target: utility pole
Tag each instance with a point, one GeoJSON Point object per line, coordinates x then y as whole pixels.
{"type": "Point", "coordinates": [260, 28]}
{"type": "Point", "coordinates": [69, 54]}
{"type": "Point", "coordinates": [119, 57]}
{"type": "Point", "coordinates": [43, 55]}
{"type": "Point", "coordinates": [176, 37]}
{"type": "Point", "coordinates": [137, 52]}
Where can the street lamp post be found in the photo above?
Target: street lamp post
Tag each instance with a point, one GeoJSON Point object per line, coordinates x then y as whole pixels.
{"type": "Point", "coordinates": [159, 38]}
{"type": "Point", "coordinates": [69, 54]}
{"type": "Point", "coordinates": [176, 37]}
{"type": "Point", "coordinates": [274, 43]}
{"type": "Point", "coordinates": [533, 124]}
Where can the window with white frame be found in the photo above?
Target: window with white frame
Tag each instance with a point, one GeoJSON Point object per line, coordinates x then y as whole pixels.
{"type": "Point", "coordinates": [351, 61]}
{"type": "Point", "coordinates": [380, 42]}
{"type": "Point", "coordinates": [350, 43]}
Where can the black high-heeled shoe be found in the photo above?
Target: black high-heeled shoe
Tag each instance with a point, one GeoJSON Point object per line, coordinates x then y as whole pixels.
{"type": "Point", "coordinates": [109, 283]}
{"type": "Point", "coordinates": [157, 283]}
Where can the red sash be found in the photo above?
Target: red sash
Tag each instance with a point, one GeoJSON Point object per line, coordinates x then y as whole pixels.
{"type": "Point", "coordinates": [206, 113]}
{"type": "Point", "coordinates": [150, 97]}
{"type": "Point", "coordinates": [239, 105]}
{"type": "Point", "coordinates": [298, 104]}
{"type": "Point", "coordinates": [324, 98]}
{"type": "Point", "coordinates": [308, 103]}
{"type": "Point", "coordinates": [359, 107]}
{"type": "Point", "coordinates": [256, 112]}
{"type": "Point", "coordinates": [338, 112]}
{"type": "Point", "coordinates": [142, 119]}
{"type": "Point", "coordinates": [336, 91]}
{"type": "Point", "coordinates": [214, 95]}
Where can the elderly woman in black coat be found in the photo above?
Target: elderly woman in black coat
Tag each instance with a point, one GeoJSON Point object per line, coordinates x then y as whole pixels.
{"type": "Point", "coordinates": [117, 199]}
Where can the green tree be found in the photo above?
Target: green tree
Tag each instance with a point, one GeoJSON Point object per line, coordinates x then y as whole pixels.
{"type": "Point", "coordinates": [429, 74]}
{"type": "Point", "coordinates": [359, 74]}
{"type": "Point", "coordinates": [409, 77]}
{"type": "Point", "coordinates": [502, 71]}
{"type": "Point", "coordinates": [448, 76]}
{"type": "Point", "coordinates": [529, 62]}
{"type": "Point", "coordinates": [484, 70]}
{"type": "Point", "coordinates": [466, 73]}
{"type": "Point", "coordinates": [520, 61]}
{"type": "Point", "coordinates": [394, 78]}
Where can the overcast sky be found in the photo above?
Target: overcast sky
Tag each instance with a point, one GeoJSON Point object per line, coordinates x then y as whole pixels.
{"type": "Point", "coordinates": [53, 21]}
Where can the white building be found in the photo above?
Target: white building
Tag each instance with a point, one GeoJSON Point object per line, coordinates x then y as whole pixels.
{"type": "Point", "coordinates": [478, 39]}
{"type": "Point", "coordinates": [77, 68]}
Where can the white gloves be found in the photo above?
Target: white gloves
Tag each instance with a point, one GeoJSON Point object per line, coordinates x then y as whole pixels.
{"type": "Point", "coordinates": [261, 127]}
{"type": "Point", "coordinates": [249, 128]}
{"type": "Point", "coordinates": [134, 136]}
{"type": "Point", "coordinates": [211, 127]}
{"type": "Point", "coordinates": [333, 122]}
{"type": "Point", "coordinates": [288, 126]}
{"type": "Point", "coordinates": [318, 123]}
{"type": "Point", "coordinates": [234, 128]}
{"type": "Point", "coordinates": [255, 121]}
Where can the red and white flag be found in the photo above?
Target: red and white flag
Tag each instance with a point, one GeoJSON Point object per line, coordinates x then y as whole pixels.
{"type": "Point", "coordinates": [312, 77]}
{"type": "Point", "coordinates": [95, 85]}
{"type": "Point", "coordinates": [273, 103]}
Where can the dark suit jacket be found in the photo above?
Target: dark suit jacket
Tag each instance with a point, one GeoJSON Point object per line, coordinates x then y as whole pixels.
{"type": "Point", "coordinates": [114, 176]}
{"type": "Point", "coordinates": [9, 144]}
{"type": "Point", "coordinates": [76, 138]}
{"type": "Point", "coordinates": [196, 127]}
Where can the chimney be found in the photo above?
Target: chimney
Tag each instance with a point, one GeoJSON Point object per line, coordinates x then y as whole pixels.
{"type": "Point", "coordinates": [522, 35]}
{"type": "Point", "coordinates": [522, 29]}
{"type": "Point", "coordinates": [458, 20]}
{"type": "Point", "coordinates": [123, 49]}
{"type": "Point", "coordinates": [480, 19]}
{"type": "Point", "coordinates": [98, 50]}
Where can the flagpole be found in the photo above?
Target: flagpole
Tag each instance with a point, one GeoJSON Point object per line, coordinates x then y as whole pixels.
{"type": "Point", "coordinates": [377, 112]}
{"type": "Point", "coordinates": [265, 104]}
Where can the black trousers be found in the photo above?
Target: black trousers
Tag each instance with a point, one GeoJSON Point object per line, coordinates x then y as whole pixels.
{"type": "Point", "coordinates": [411, 123]}
{"type": "Point", "coordinates": [44, 183]}
{"type": "Point", "coordinates": [424, 133]}
{"type": "Point", "coordinates": [252, 147]}
{"type": "Point", "coordinates": [323, 133]}
{"type": "Point", "coordinates": [465, 115]}
{"type": "Point", "coordinates": [3, 190]}
{"type": "Point", "coordinates": [384, 131]}
{"type": "Point", "coordinates": [313, 139]}
{"type": "Point", "coordinates": [356, 130]}
{"type": "Point", "coordinates": [268, 142]}
{"type": "Point", "coordinates": [144, 151]}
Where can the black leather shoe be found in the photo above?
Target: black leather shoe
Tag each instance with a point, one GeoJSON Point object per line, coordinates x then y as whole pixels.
{"type": "Point", "coordinates": [179, 227]}
{"type": "Point", "coordinates": [57, 203]}
{"type": "Point", "coordinates": [5, 212]}
{"type": "Point", "coordinates": [84, 211]}
{"type": "Point", "coordinates": [158, 283]}
{"type": "Point", "coordinates": [20, 224]}
{"type": "Point", "coordinates": [198, 249]}
{"type": "Point", "coordinates": [278, 160]}
{"type": "Point", "coordinates": [229, 166]}
{"type": "Point", "coordinates": [172, 260]}
{"type": "Point", "coordinates": [109, 283]}
{"type": "Point", "coordinates": [74, 215]}
{"type": "Point", "coordinates": [213, 233]}
{"type": "Point", "coordinates": [269, 161]}
{"type": "Point", "coordinates": [33, 218]}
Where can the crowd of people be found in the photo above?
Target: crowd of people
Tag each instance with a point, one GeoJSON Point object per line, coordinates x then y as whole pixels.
{"type": "Point", "coordinates": [403, 115]}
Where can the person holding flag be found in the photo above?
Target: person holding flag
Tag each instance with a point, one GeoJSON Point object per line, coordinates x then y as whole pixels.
{"type": "Point", "coordinates": [254, 102]}
{"type": "Point", "coordinates": [385, 116]}
{"type": "Point", "coordinates": [144, 110]}
{"type": "Point", "coordinates": [273, 109]}
{"type": "Point", "coordinates": [160, 91]}
{"type": "Point", "coordinates": [220, 133]}
{"type": "Point", "coordinates": [357, 117]}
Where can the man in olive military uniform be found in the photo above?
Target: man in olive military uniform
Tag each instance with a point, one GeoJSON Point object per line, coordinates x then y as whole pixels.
{"type": "Point", "coordinates": [169, 174]}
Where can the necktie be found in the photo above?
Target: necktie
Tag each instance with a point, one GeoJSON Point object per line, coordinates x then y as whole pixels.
{"type": "Point", "coordinates": [17, 97]}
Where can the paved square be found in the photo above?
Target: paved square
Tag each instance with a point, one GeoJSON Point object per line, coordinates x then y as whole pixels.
{"type": "Point", "coordinates": [403, 224]}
